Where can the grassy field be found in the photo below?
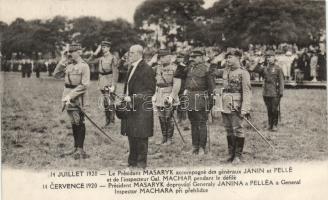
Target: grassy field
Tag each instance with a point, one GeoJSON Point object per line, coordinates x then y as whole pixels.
{"type": "Point", "coordinates": [35, 131]}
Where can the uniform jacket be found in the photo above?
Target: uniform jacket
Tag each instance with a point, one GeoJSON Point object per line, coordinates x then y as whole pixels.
{"type": "Point", "coordinates": [108, 64]}
{"type": "Point", "coordinates": [236, 89]}
{"type": "Point", "coordinates": [273, 85]}
{"type": "Point", "coordinates": [199, 84]}
{"type": "Point", "coordinates": [77, 75]}
{"type": "Point", "coordinates": [141, 88]}
{"type": "Point", "coordinates": [164, 76]}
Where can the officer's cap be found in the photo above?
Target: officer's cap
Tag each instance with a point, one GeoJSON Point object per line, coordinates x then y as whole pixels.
{"type": "Point", "coordinates": [74, 47]}
{"type": "Point", "coordinates": [270, 53]}
{"type": "Point", "coordinates": [195, 53]}
{"type": "Point", "coordinates": [233, 52]}
{"type": "Point", "coordinates": [164, 52]}
{"type": "Point", "coordinates": [106, 43]}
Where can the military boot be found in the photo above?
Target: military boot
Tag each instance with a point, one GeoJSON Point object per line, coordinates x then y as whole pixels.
{"type": "Point", "coordinates": [238, 150]}
{"type": "Point", "coordinates": [195, 138]}
{"type": "Point", "coordinates": [75, 132]}
{"type": "Point", "coordinates": [202, 151]}
{"type": "Point", "coordinates": [169, 131]}
{"type": "Point", "coordinates": [107, 119]}
{"type": "Point", "coordinates": [195, 150]}
{"type": "Point", "coordinates": [80, 154]}
{"type": "Point", "coordinates": [162, 122]}
{"type": "Point", "coordinates": [231, 148]}
{"type": "Point", "coordinates": [112, 114]}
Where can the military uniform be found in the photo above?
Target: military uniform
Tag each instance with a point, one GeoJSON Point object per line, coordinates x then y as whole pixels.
{"type": "Point", "coordinates": [108, 76]}
{"type": "Point", "coordinates": [199, 87]}
{"type": "Point", "coordinates": [236, 98]}
{"type": "Point", "coordinates": [77, 78]}
{"type": "Point", "coordinates": [181, 111]}
{"type": "Point", "coordinates": [167, 85]}
{"type": "Point", "coordinates": [273, 88]}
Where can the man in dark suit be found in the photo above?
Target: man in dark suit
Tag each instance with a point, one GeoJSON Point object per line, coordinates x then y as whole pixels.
{"type": "Point", "coordinates": [138, 123]}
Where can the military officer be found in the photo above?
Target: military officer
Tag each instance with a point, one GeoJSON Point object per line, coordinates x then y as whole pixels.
{"type": "Point", "coordinates": [273, 88]}
{"type": "Point", "coordinates": [108, 76]}
{"type": "Point", "coordinates": [199, 87]}
{"type": "Point", "coordinates": [181, 62]}
{"type": "Point", "coordinates": [77, 77]}
{"type": "Point", "coordinates": [236, 101]}
{"type": "Point", "coordinates": [166, 99]}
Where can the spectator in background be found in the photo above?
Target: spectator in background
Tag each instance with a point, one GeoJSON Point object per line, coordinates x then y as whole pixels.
{"type": "Point", "coordinates": [314, 66]}
{"type": "Point", "coordinates": [322, 62]}
{"type": "Point", "coordinates": [37, 67]}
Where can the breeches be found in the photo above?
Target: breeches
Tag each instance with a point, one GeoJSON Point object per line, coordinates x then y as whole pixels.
{"type": "Point", "coordinates": [233, 124]}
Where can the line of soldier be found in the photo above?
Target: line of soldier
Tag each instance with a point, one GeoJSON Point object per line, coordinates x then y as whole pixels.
{"type": "Point", "coordinates": [198, 80]}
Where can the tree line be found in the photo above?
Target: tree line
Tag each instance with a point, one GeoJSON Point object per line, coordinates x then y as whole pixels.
{"type": "Point", "coordinates": [227, 22]}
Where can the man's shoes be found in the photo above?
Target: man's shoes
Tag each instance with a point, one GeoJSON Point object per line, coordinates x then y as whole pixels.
{"type": "Point", "coordinates": [168, 142]}
{"type": "Point", "coordinates": [236, 160]}
{"type": "Point", "coordinates": [202, 151]}
{"type": "Point", "coordinates": [195, 150]}
{"type": "Point", "coordinates": [164, 140]}
{"type": "Point", "coordinates": [274, 128]}
{"type": "Point", "coordinates": [80, 154]}
{"type": "Point", "coordinates": [69, 152]}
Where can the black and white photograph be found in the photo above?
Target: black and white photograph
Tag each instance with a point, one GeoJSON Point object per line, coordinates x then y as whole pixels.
{"type": "Point", "coordinates": [164, 99]}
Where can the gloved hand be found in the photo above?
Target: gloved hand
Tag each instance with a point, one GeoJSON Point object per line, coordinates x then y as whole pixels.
{"type": "Point", "coordinates": [169, 100]}
{"type": "Point", "coordinates": [67, 100]}
{"type": "Point", "coordinates": [112, 89]}
{"type": "Point", "coordinates": [244, 114]}
{"type": "Point", "coordinates": [127, 99]}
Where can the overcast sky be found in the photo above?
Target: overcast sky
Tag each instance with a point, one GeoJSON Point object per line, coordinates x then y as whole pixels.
{"type": "Point", "coordinates": [46, 9]}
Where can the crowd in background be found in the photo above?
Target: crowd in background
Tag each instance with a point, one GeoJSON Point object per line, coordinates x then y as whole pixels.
{"type": "Point", "coordinates": [298, 64]}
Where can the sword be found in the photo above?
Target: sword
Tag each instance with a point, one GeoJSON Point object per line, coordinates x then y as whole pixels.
{"type": "Point", "coordinates": [209, 137]}
{"type": "Point", "coordinates": [176, 124]}
{"type": "Point", "coordinates": [257, 131]}
{"type": "Point", "coordinates": [279, 113]}
{"type": "Point", "coordinates": [92, 122]}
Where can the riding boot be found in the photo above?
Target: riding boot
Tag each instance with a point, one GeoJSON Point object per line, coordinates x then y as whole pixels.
{"type": "Point", "coordinates": [239, 150]}
{"type": "Point", "coordinates": [162, 122]}
{"type": "Point", "coordinates": [231, 148]}
{"type": "Point", "coordinates": [170, 130]}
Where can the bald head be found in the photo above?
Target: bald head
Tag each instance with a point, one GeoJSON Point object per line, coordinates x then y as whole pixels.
{"type": "Point", "coordinates": [135, 53]}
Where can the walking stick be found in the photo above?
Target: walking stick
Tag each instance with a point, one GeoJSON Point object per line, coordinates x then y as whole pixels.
{"type": "Point", "coordinates": [92, 122]}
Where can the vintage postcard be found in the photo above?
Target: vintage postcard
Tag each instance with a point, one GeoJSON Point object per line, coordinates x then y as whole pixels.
{"type": "Point", "coordinates": [163, 99]}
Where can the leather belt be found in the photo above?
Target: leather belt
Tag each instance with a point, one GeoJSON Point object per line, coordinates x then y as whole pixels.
{"type": "Point", "coordinates": [105, 73]}
{"type": "Point", "coordinates": [70, 86]}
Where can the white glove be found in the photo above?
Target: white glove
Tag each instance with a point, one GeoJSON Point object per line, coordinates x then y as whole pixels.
{"type": "Point", "coordinates": [185, 92]}
{"type": "Point", "coordinates": [127, 98]}
{"type": "Point", "coordinates": [169, 100]}
{"type": "Point", "coordinates": [67, 100]}
{"type": "Point", "coordinates": [112, 89]}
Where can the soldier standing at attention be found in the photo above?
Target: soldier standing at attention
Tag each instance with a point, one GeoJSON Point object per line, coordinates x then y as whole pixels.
{"type": "Point", "coordinates": [166, 99]}
{"type": "Point", "coordinates": [77, 77]}
{"type": "Point", "coordinates": [236, 102]}
{"type": "Point", "coordinates": [199, 86]}
{"type": "Point", "coordinates": [273, 88]}
{"type": "Point", "coordinates": [108, 76]}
